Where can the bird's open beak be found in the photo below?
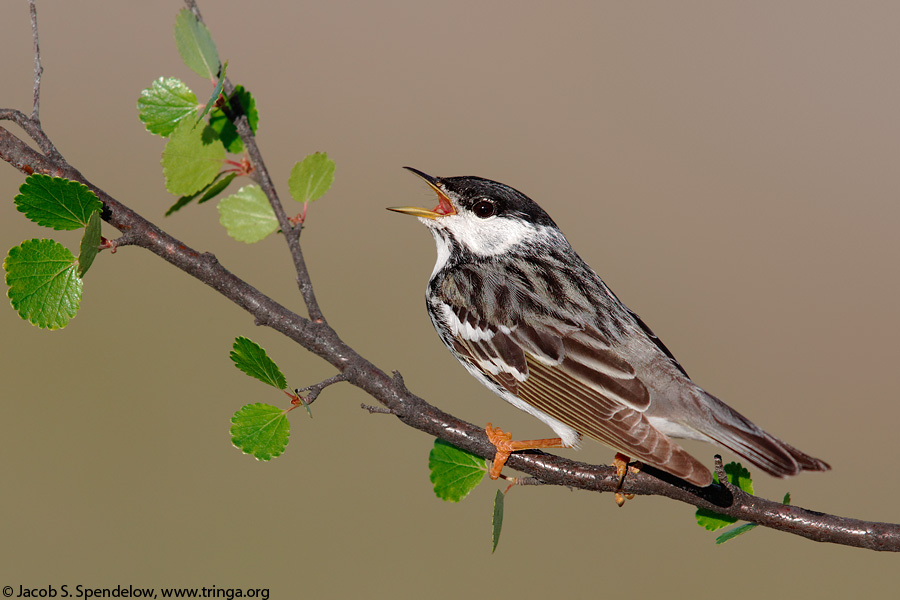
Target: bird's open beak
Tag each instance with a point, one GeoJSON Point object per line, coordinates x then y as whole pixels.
{"type": "Point", "coordinates": [443, 209]}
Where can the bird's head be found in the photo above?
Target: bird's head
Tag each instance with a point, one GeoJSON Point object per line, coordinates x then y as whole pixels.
{"type": "Point", "coordinates": [485, 217]}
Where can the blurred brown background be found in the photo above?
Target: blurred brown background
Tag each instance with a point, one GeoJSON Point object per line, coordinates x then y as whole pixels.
{"type": "Point", "coordinates": [730, 170]}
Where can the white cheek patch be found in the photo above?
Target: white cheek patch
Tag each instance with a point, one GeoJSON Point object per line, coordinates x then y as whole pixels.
{"type": "Point", "coordinates": [487, 237]}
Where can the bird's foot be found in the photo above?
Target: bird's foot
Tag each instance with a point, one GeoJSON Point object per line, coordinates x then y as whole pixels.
{"type": "Point", "coordinates": [505, 446]}
{"type": "Point", "coordinates": [620, 462]}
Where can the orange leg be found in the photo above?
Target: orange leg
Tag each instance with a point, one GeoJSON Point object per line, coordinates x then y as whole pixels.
{"type": "Point", "coordinates": [620, 462]}
{"type": "Point", "coordinates": [505, 446]}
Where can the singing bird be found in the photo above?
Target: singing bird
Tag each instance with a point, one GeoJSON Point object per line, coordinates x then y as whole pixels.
{"type": "Point", "coordinates": [529, 319]}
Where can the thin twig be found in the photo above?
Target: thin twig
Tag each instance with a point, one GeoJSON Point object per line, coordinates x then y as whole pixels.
{"type": "Point", "coordinates": [316, 389]}
{"type": "Point", "coordinates": [376, 410]}
{"type": "Point", "coordinates": [38, 69]}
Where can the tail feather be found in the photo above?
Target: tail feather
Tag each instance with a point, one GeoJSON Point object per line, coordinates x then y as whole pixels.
{"type": "Point", "coordinates": [738, 434]}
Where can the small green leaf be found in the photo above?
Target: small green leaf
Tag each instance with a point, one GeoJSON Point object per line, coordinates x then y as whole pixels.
{"type": "Point", "coordinates": [44, 286]}
{"type": "Point", "coordinates": [217, 91]}
{"type": "Point", "coordinates": [90, 244]}
{"type": "Point", "coordinates": [164, 104]}
{"type": "Point", "coordinates": [454, 472]}
{"type": "Point", "coordinates": [738, 476]}
{"type": "Point", "coordinates": [261, 430]}
{"type": "Point", "coordinates": [249, 357]}
{"type": "Point", "coordinates": [192, 158]}
{"type": "Point", "coordinates": [734, 532]}
{"type": "Point", "coordinates": [216, 188]}
{"type": "Point", "coordinates": [195, 45]}
{"type": "Point", "coordinates": [311, 177]}
{"type": "Point", "coordinates": [183, 201]}
{"type": "Point", "coordinates": [56, 202]}
{"type": "Point", "coordinates": [787, 498]}
{"type": "Point", "coordinates": [497, 519]}
{"type": "Point", "coordinates": [241, 103]}
{"type": "Point", "coordinates": [247, 215]}
{"type": "Point", "coordinates": [208, 193]}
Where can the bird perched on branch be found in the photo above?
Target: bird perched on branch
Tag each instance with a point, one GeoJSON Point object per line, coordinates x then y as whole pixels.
{"type": "Point", "coordinates": [529, 319]}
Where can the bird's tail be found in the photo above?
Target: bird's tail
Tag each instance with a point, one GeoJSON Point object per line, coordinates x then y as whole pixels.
{"type": "Point", "coordinates": [737, 433]}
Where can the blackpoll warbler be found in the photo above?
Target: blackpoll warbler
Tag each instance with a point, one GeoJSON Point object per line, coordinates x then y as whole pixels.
{"type": "Point", "coordinates": [532, 321]}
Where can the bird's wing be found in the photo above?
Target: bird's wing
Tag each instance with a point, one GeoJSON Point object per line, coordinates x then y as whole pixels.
{"type": "Point", "coordinates": [575, 376]}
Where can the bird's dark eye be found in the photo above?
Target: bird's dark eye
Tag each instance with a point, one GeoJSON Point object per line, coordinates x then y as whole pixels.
{"type": "Point", "coordinates": [484, 209]}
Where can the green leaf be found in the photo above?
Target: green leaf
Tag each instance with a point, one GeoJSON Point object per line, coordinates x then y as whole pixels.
{"type": "Point", "coordinates": [241, 103]}
{"type": "Point", "coordinates": [738, 476]}
{"type": "Point", "coordinates": [454, 472]}
{"type": "Point", "coordinates": [56, 202]}
{"type": "Point", "coordinates": [734, 532]}
{"type": "Point", "coordinates": [497, 519]}
{"type": "Point", "coordinates": [208, 193]}
{"type": "Point", "coordinates": [164, 104]}
{"type": "Point", "coordinates": [192, 158]}
{"type": "Point", "coordinates": [90, 244]}
{"type": "Point", "coordinates": [217, 91]}
{"type": "Point", "coordinates": [183, 201]}
{"type": "Point", "coordinates": [249, 357]}
{"type": "Point", "coordinates": [195, 45]}
{"type": "Point", "coordinates": [216, 188]}
{"type": "Point", "coordinates": [787, 498]}
{"type": "Point", "coordinates": [44, 286]}
{"type": "Point", "coordinates": [311, 177]}
{"type": "Point", "coordinates": [261, 430]}
{"type": "Point", "coordinates": [247, 215]}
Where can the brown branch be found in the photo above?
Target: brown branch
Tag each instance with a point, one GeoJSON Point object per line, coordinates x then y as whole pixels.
{"type": "Point", "coordinates": [318, 337]}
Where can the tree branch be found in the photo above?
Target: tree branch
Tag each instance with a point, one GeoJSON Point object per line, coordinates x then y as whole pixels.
{"type": "Point", "coordinates": [319, 338]}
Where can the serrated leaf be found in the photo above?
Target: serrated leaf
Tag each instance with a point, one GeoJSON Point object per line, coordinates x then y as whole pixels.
{"type": "Point", "coordinates": [44, 286]}
{"type": "Point", "coordinates": [497, 519]}
{"type": "Point", "coordinates": [217, 91]}
{"type": "Point", "coordinates": [241, 103]}
{"type": "Point", "coordinates": [249, 357]}
{"type": "Point", "coordinates": [90, 244]}
{"type": "Point", "coordinates": [195, 45]}
{"type": "Point", "coordinates": [311, 177]}
{"type": "Point", "coordinates": [192, 158]}
{"type": "Point", "coordinates": [57, 203]}
{"type": "Point", "coordinates": [261, 430]}
{"type": "Point", "coordinates": [164, 104]}
{"type": "Point", "coordinates": [247, 215]}
{"type": "Point", "coordinates": [734, 532]}
{"type": "Point", "coordinates": [208, 193]}
{"type": "Point", "coordinates": [737, 476]}
{"type": "Point", "coordinates": [454, 472]}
